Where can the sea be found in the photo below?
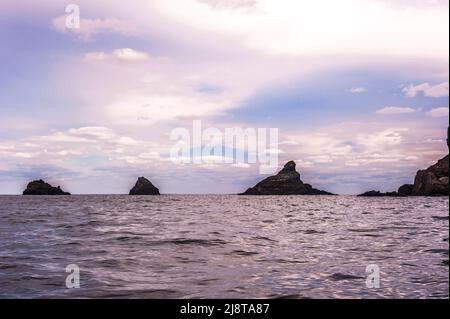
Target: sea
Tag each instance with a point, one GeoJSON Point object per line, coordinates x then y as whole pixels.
{"type": "Point", "coordinates": [223, 246]}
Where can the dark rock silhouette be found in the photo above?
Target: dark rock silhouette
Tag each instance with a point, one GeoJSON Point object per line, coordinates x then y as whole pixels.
{"type": "Point", "coordinates": [42, 188]}
{"type": "Point", "coordinates": [380, 194]}
{"type": "Point", "coordinates": [144, 187]}
{"type": "Point", "coordinates": [406, 189]}
{"type": "Point", "coordinates": [434, 180]}
{"type": "Point", "coordinates": [286, 182]}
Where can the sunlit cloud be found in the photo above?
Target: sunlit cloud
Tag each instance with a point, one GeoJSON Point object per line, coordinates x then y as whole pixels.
{"type": "Point", "coordinates": [90, 28]}
{"type": "Point", "coordinates": [438, 90]}
{"type": "Point", "coordinates": [357, 90]}
{"type": "Point", "coordinates": [394, 110]}
{"type": "Point", "coordinates": [298, 28]}
{"type": "Point", "coordinates": [124, 55]}
{"type": "Point", "coordinates": [439, 112]}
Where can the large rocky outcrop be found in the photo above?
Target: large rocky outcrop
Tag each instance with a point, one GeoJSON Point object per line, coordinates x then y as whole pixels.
{"type": "Point", "coordinates": [42, 188]}
{"type": "Point", "coordinates": [432, 181]}
{"type": "Point", "coordinates": [144, 187]}
{"type": "Point", "coordinates": [286, 182]}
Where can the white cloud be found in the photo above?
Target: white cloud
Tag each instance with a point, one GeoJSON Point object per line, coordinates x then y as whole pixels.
{"type": "Point", "coordinates": [357, 90]}
{"type": "Point", "coordinates": [145, 109]}
{"type": "Point", "coordinates": [343, 148]}
{"type": "Point", "coordinates": [378, 159]}
{"type": "Point", "coordinates": [128, 54]}
{"type": "Point", "coordinates": [123, 55]}
{"type": "Point", "coordinates": [381, 146]}
{"type": "Point", "coordinates": [93, 132]}
{"type": "Point", "coordinates": [318, 148]}
{"type": "Point", "coordinates": [96, 56]}
{"type": "Point", "coordinates": [438, 90]}
{"type": "Point", "coordinates": [394, 110]}
{"type": "Point", "coordinates": [64, 147]}
{"type": "Point", "coordinates": [22, 154]}
{"type": "Point", "coordinates": [381, 140]}
{"type": "Point", "coordinates": [321, 159]}
{"type": "Point", "coordinates": [439, 112]}
{"type": "Point", "coordinates": [89, 28]}
{"type": "Point", "coordinates": [241, 165]}
{"type": "Point", "coordinates": [321, 27]}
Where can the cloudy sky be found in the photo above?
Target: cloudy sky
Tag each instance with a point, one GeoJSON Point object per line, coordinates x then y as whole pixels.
{"type": "Point", "coordinates": [358, 90]}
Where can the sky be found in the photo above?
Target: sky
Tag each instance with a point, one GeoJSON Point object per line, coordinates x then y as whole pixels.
{"type": "Point", "coordinates": [358, 90]}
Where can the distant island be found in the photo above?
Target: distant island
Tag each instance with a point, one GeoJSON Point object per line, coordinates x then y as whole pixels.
{"type": "Point", "coordinates": [40, 187]}
{"type": "Point", "coordinates": [144, 187]}
{"type": "Point", "coordinates": [286, 182]}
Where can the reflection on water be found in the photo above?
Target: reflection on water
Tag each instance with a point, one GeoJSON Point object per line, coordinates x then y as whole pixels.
{"type": "Point", "coordinates": [223, 246]}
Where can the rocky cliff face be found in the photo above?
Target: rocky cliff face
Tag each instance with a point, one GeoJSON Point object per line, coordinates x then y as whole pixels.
{"type": "Point", "coordinates": [286, 182]}
{"type": "Point", "coordinates": [42, 188]}
{"type": "Point", "coordinates": [433, 181]}
{"type": "Point", "coordinates": [144, 187]}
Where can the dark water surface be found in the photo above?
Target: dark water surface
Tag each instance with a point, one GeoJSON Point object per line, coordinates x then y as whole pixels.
{"type": "Point", "coordinates": [223, 246]}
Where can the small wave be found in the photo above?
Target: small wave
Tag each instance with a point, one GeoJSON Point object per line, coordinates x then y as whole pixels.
{"type": "Point", "coordinates": [243, 253]}
{"type": "Point", "coordinates": [195, 242]}
{"type": "Point", "coordinates": [342, 277]}
{"type": "Point", "coordinates": [206, 282]}
{"type": "Point", "coordinates": [109, 263]}
{"type": "Point", "coordinates": [264, 238]}
{"type": "Point", "coordinates": [362, 230]}
{"type": "Point", "coordinates": [128, 238]}
{"type": "Point", "coordinates": [282, 261]}
{"type": "Point", "coordinates": [141, 294]}
{"type": "Point", "coordinates": [440, 217]}
{"type": "Point", "coordinates": [313, 232]}
{"type": "Point", "coordinates": [6, 267]}
{"type": "Point", "coordinates": [287, 297]}
{"type": "Point", "coordinates": [438, 251]}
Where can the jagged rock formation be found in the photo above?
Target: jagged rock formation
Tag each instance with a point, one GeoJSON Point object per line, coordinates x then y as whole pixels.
{"type": "Point", "coordinates": [144, 187]}
{"type": "Point", "coordinates": [433, 181]}
{"type": "Point", "coordinates": [286, 182]}
{"type": "Point", "coordinates": [42, 188]}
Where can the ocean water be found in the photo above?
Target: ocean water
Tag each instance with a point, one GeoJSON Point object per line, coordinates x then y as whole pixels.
{"type": "Point", "coordinates": [223, 246]}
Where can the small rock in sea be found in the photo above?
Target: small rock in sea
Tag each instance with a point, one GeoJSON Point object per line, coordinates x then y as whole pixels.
{"type": "Point", "coordinates": [380, 194]}
{"type": "Point", "coordinates": [42, 188]}
{"type": "Point", "coordinates": [286, 182]}
{"type": "Point", "coordinates": [144, 187]}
